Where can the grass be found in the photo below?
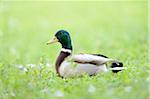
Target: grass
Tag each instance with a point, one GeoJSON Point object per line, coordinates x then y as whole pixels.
{"type": "Point", "coordinates": [117, 29]}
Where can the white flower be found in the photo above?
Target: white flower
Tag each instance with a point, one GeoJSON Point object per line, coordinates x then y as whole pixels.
{"type": "Point", "coordinates": [59, 94]}
{"type": "Point", "coordinates": [31, 65]}
{"type": "Point", "coordinates": [25, 69]}
{"type": "Point", "coordinates": [91, 89]}
{"type": "Point", "coordinates": [21, 67]}
{"type": "Point", "coordinates": [128, 89]}
{"type": "Point", "coordinates": [48, 65]}
{"type": "Point", "coordinates": [13, 94]}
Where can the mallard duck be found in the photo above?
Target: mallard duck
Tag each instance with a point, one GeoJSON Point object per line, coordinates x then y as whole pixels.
{"type": "Point", "coordinates": [68, 65]}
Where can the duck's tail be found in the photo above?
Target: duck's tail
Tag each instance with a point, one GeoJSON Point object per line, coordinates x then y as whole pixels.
{"type": "Point", "coordinates": [116, 67]}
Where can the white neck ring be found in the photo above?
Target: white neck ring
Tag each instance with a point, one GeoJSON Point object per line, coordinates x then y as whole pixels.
{"type": "Point", "coordinates": [66, 50]}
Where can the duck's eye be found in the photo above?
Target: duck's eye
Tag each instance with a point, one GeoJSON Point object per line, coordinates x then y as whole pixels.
{"type": "Point", "coordinates": [61, 33]}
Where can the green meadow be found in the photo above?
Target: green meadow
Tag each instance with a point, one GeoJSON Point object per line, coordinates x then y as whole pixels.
{"type": "Point", "coordinates": [118, 29]}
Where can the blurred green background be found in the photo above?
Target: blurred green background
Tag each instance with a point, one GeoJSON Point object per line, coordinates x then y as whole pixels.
{"type": "Point", "coordinates": [118, 29]}
{"type": "Point", "coordinates": [95, 27]}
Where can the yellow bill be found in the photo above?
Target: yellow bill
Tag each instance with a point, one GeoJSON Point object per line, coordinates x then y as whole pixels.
{"type": "Point", "coordinates": [53, 40]}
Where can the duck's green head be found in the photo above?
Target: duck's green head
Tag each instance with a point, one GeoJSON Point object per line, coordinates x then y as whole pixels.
{"type": "Point", "coordinates": [63, 37]}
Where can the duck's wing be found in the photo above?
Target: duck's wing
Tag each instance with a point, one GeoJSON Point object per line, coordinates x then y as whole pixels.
{"type": "Point", "coordinates": [71, 69]}
{"type": "Point", "coordinates": [91, 59]}
{"type": "Point", "coordinates": [100, 55]}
